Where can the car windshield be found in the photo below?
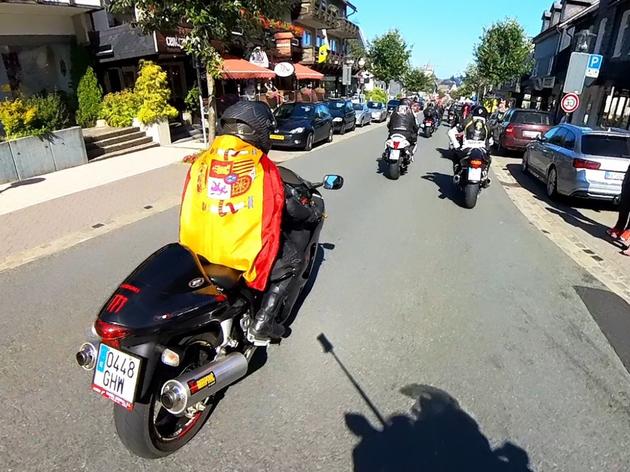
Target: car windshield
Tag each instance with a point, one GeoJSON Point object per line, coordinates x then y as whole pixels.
{"type": "Point", "coordinates": [294, 110]}
{"type": "Point", "coordinates": [531, 118]}
{"type": "Point", "coordinates": [376, 105]}
{"type": "Point", "coordinates": [604, 145]}
{"type": "Point", "coordinates": [337, 105]}
{"type": "Point", "coordinates": [357, 106]}
{"type": "Point", "coordinates": [393, 103]}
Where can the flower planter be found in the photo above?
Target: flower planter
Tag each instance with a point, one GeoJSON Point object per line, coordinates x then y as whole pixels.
{"type": "Point", "coordinates": [24, 158]}
{"type": "Point", "coordinates": [159, 132]}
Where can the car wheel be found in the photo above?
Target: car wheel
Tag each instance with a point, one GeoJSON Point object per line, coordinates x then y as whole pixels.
{"type": "Point", "coordinates": [552, 183]}
{"type": "Point", "coordinates": [309, 142]}
{"type": "Point", "coordinates": [330, 135]}
{"type": "Point", "coordinates": [342, 130]}
{"type": "Point", "coordinates": [525, 163]}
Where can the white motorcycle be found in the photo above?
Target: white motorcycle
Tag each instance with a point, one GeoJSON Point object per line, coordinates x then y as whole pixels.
{"type": "Point", "coordinates": [398, 155]}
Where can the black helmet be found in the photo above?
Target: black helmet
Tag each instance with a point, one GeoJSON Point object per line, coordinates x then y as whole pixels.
{"type": "Point", "coordinates": [479, 112]}
{"type": "Point", "coordinates": [253, 122]}
{"type": "Point", "coordinates": [406, 102]}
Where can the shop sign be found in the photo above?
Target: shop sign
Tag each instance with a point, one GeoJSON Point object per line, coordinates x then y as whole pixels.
{"type": "Point", "coordinates": [174, 42]}
{"type": "Point", "coordinates": [284, 69]}
{"type": "Point", "coordinates": [259, 58]}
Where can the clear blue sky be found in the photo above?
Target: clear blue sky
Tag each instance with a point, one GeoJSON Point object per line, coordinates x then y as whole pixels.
{"type": "Point", "coordinates": [444, 32]}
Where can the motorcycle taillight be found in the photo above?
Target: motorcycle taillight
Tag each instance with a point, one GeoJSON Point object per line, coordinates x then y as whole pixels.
{"type": "Point", "coordinates": [109, 333]}
{"type": "Point", "coordinates": [476, 163]}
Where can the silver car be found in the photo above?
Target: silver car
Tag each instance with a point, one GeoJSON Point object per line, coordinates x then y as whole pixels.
{"type": "Point", "coordinates": [363, 115]}
{"type": "Point", "coordinates": [378, 110]}
{"type": "Point", "coordinates": [580, 162]}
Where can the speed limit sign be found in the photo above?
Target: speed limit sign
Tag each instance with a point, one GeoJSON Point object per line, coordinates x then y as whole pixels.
{"type": "Point", "coordinates": [570, 102]}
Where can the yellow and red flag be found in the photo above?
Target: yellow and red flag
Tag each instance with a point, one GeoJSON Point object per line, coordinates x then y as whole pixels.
{"type": "Point", "coordinates": [232, 209]}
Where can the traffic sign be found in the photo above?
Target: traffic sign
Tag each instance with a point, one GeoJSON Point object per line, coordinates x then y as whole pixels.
{"type": "Point", "coordinates": [574, 80]}
{"type": "Point", "coordinates": [570, 102]}
{"type": "Point", "coordinates": [594, 65]}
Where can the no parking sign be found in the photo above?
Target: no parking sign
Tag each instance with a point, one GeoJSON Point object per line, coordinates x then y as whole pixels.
{"type": "Point", "coordinates": [570, 102]}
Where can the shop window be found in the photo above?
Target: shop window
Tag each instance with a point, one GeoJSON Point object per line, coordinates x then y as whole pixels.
{"type": "Point", "coordinates": [621, 36]}
{"type": "Point", "coordinates": [600, 35]}
{"type": "Point", "coordinates": [333, 45]}
{"type": "Point", "coordinates": [13, 70]}
{"type": "Point", "coordinates": [320, 41]}
{"type": "Point", "coordinates": [307, 39]}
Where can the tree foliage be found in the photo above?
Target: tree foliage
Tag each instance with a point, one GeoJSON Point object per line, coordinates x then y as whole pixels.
{"type": "Point", "coordinates": [153, 94]}
{"type": "Point", "coordinates": [416, 80]}
{"type": "Point", "coordinates": [89, 95]}
{"type": "Point", "coordinates": [389, 56]}
{"type": "Point", "coordinates": [376, 95]}
{"type": "Point", "coordinates": [504, 52]}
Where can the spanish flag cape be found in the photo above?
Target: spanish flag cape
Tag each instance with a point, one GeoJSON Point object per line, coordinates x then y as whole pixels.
{"type": "Point", "coordinates": [232, 209]}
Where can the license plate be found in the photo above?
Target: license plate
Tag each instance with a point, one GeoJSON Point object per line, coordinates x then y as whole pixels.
{"type": "Point", "coordinates": [614, 175]}
{"type": "Point", "coordinates": [116, 375]}
{"type": "Point", "coordinates": [531, 134]}
{"type": "Point", "coordinates": [394, 155]}
{"type": "Point", "coordinates": [474, 175]}
{"type": "Point", "coordinates": [277, 137]}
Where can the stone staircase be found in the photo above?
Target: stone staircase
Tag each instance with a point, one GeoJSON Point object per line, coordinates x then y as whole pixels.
{"type": "Point", "coordinates": [181, 133]}
{"type": "Point", "coordinates": [102, 143]}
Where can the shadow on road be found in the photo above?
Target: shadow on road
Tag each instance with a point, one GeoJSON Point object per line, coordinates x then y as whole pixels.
{"type": "Point", "coordinates": [445, 153]}
{"type": "Point", "coordinates": [21, 183]}
{"type": "Point", "coordinates": [568, 209]}
{"type": "Point", "coordinates": [445, 185]}
{"type": "Point", "coordinates": [437, 435]}
{"type": "Point", "coordinates": [381, 166]}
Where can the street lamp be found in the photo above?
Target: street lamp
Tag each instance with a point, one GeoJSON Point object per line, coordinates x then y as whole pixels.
{"type": "Point", "coordinates": [583, 40]}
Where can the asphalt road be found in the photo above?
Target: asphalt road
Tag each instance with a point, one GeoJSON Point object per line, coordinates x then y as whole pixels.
{"type": "Point", "coordinates": [474, 313]}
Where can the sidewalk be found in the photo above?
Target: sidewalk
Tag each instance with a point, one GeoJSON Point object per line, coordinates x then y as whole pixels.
{"type": "Point", "coordinates": [577, 227]}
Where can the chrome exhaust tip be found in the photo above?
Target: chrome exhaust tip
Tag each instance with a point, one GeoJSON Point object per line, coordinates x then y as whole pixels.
{"type": "Point", "coordinates": [456, 179]}
{"type": "Point", "coordinates": [86, 357]}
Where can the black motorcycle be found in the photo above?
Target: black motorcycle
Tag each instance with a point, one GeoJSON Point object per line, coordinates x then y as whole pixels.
{"type": "Point", "coordinates": [471, 172]}
{"type": "Point", "coordinates": [173, 336]}
{"type": "Point", "coordinates": [429, 126]}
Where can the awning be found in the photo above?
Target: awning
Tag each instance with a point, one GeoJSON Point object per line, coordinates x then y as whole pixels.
{"type": "Point", "coordinates": [306, 73]}
{"type": "Point", "coordinates": [240, 69]}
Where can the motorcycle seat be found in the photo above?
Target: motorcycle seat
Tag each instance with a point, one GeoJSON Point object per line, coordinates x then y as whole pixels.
{"type": "Point", "coordinates": [222, 278]}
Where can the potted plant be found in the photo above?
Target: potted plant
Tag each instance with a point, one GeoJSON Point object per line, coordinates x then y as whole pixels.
{"type": "Point", "coordinates": [153, 94]}
{"type": "Point", "coordinates": [192, 105]}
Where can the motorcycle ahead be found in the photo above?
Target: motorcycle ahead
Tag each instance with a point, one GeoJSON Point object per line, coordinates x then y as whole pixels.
{"type": "Point", "coordinates": [471, 172]}
{"type": "Point", "coordinates": [429, 127]}
{"type": "Point", "coordinates": [397, 156]}
{"type": "Point", "coordinates": [173, 336]}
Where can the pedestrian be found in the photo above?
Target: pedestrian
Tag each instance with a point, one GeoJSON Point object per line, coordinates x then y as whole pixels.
{"type": "Point", "coordinates": [621, 230]}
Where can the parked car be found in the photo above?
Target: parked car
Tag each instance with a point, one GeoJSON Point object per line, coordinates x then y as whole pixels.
{"type": "Point", "coordinates": [580, 162]}
{"type": "Point", "coordinates": [343, 115]}
{"type": "Point", "coordinates": [302, 125]}
{"type": "Point", "coordinates": [362, 113]}
{"type": "Point", "coordinates": [378, 110]}
{"type": "Point", "coordinates": [392, 105]}
{"type": "Point", "coordinates": [520, 127]}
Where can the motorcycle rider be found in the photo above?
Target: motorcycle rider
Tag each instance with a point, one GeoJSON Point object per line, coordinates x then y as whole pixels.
{"type": "Point", "coordinates": [283, 245]}
{"type": "Point", "coordinates": [430, 113]}
{"type": "Point", "coordinates": [475, 128]}
{"type": "Point", "coordinates": [403, 122]}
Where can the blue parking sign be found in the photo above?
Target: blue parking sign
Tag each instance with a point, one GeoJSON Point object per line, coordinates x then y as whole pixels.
{"type": "Point", "coordinates": [595, 62]}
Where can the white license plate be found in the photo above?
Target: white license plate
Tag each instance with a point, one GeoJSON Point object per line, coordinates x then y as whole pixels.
{"type": "Point", "coordinates": [116, 375]}
{"type": "Point", "coordinates": [394, 154]}
{"type": "Point", "coordinates": [614, 175]}
{"type": "Point", "coordinates": [474, 175]}
{"type": "Point", "coordinates": [531, 134]}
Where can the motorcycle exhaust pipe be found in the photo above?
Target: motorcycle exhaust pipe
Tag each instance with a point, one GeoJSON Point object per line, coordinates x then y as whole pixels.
{"type": "Point", "coordinates": [180, 393]}
{"type": "Point", "coordinates": [456, 179]}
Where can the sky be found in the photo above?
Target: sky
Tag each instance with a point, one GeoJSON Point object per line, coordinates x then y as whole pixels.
{"type": "Point", "coordinates": [443, 32]}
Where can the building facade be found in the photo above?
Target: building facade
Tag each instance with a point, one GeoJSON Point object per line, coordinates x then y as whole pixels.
{"type": "Point", "coordinates": [36, 40]}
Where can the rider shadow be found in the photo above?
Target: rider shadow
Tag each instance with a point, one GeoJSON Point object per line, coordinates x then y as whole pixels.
{"type": "Point", "coordinates": [445, 185]}
{"type": "Point", "coordinates": [445, 153]}
{"type": "Point", "coordinates": [437, 435]}
{"type": "Point", "coordinates": [381, 166]}
{"type": "Point", "coordinates": [317, 263]}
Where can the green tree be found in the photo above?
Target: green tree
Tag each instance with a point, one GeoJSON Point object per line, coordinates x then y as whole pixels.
{"type": "Point", "coordinates": [208, 21]}
{"type": "Point", "coordinates": [504, 52]}
{"type": "Point", "coordinates": [416, 80]}
{"type": "Point", "coordinates": [153, 94]}
{"type": "Point", "coordinates": [473, 82]}
{"type": "Point", "coordinates": [89, 95]}
{"type": "Point", "coordinates": [389, 57]}
{"type": "Point", "coordinates": [376, 95]}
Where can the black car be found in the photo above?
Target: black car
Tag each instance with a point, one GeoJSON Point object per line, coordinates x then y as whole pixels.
{"type": "Point", "coordinates": [301, 125]}
{"type": "Point", "coordinates": [392, 105]}
{"type": "Point", "coordinates": [342, 111]}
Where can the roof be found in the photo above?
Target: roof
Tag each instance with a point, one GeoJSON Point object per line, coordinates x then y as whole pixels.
{"type": "Point", "coordinates": [306, 73]}
{"type": "Point", "coordinates": [598, 130]}
{"type": "Point", "coordinates": [240, 69]}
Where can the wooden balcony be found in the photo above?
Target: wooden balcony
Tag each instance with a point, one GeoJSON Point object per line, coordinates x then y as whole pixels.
{"type": "Point", "coordinates": [317, 14]}
{"type": "Point", "coordinates": [311, 53]}
{"type": "Point", "coordinates": [344, 29]}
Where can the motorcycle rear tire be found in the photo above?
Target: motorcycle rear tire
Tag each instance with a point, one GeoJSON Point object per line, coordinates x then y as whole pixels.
{"type": "Point", "coordinates": [393, 171]}
{"type": "Point", "coordinates": [471, 193]}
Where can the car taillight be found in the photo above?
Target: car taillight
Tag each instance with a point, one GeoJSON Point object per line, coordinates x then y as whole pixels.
{"type": "Point", "coordinates": [476, 163]}
{"type": "Point", "coordinates": [584, 164]}
{"type": "Point", "coordinates": [509, 129]}
{"type": "Point", "coordinates": [109, 333]}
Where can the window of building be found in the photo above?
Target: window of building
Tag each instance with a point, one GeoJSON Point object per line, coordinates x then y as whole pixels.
{"type": "Point", "coordinates": [621, 36]}
{"type": "Point", "coordinates": [333, 45]}
{"type": "Point", "coordinates": [600, 35]}
{"type": "Point", "coordinates": [307, 39]}
{"type": "Point", "coordinates": [320, 41]}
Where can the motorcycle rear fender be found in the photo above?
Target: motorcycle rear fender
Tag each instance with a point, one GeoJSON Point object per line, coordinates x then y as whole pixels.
{"type": "Point", "coordinates": [150, 353]}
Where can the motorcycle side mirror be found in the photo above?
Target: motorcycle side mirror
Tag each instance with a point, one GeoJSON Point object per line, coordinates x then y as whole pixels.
{"type": "Point", "coordinates": [333, 182]}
